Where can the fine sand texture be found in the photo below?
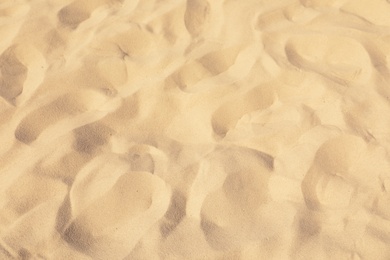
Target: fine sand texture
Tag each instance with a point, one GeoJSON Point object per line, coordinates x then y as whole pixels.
{"type": "Point", "coordinates": [195, 129]}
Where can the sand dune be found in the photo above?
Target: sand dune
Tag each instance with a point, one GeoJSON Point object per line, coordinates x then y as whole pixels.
{"type": "Point", "coordinates": [194, 129]}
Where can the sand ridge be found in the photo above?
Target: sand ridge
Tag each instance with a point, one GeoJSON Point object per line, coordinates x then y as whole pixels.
{"type": "Point", "coordinates": [194, 129]}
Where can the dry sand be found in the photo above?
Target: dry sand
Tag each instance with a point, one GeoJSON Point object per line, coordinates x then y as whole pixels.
{"type": "Point", "coordinates": [198, 129]}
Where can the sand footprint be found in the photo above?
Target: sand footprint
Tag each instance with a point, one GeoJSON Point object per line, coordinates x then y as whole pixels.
{"type": "Point", "coordinates": [64, 107]}
{"type": "Point", "coordinates": [226, 117]}
{"type": "Point", "coordinates": [22, 69]}
{"type": "Point", "coordinates": [97, 177]}
{"type": "Point", "coordinates": [196, 17]}
{"type": "Point", "coordinates": [77, 12]}
{"type": "Point", "coordinates": [190, 74]}
{"type": "Point", "coordinates": [13, 75]}
{"type": "Point", "coordinates": [328, 56]}
{"type": "Point", "coordinates": [343, 189]}
{"type": "Point", "coordinates": [213, 64]}
{"type": "Point", "coordinates": [37, 121]}
{"type": "Point", "coordinates": [219, 61]}
{"type": "Point", "coordinates": [240, 196]}
{"type": "Point", "coordinates": [111, 226]}
{"type": "Point", "coordinates": [341, 167]}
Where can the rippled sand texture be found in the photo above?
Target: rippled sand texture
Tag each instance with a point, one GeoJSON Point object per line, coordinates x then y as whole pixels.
{"type": "Point", "coordinates": [198, 129]}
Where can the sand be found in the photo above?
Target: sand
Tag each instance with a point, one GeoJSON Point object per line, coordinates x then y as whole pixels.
{"type": "Point", "coordinates": [194, 129]}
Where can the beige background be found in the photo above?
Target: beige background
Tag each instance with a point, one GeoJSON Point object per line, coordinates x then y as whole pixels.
{"type": "Point", "coordinates": [199, 129]}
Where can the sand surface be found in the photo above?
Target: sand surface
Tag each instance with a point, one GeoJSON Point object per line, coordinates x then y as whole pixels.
{"type": "Point", "coordinates": [195, 129]}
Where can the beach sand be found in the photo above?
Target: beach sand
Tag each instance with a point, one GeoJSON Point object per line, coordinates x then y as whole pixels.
{"type": "Point", "coordinates": [195, 129]}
